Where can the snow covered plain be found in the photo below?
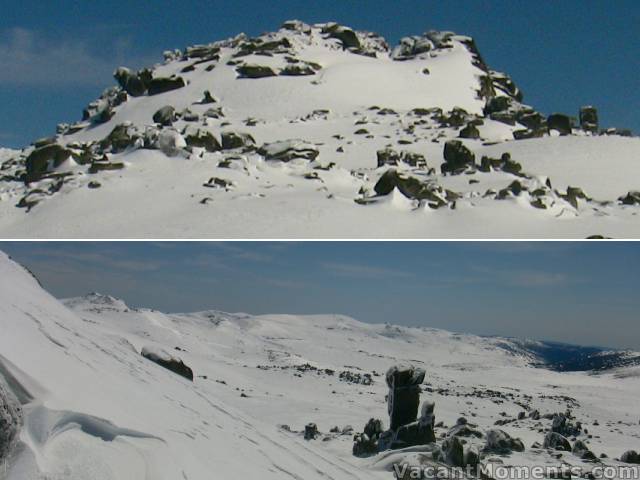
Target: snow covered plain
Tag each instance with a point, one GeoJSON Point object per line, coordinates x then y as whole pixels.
{"type": "Point", "coordinates": [95, 408]}
{"type": "Point", "coordinates": [135, 169]}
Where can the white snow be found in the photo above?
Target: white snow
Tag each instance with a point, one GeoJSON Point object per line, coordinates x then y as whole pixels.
{"type": "Point", "coordinates": [97, 409]}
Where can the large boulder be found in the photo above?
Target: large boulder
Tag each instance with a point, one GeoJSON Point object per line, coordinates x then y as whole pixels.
{"type": "Point", "coordinates": [560, 422]}
{"type": "Point", "coordinates": [366, 443]}
{"type": "Point", "coordinates": [122, 137]}
{"type": "Point", "coordinates": [287, 150]}
{"type": "Point", "coordinates": [388, 156]}
{"type": "Point", "coordinates": [44, 159]}
{"type": "Point", "coordinates": [404, 394]}
{"type": "Point", "coordinates": [589, 119]}
{"type": "Point", "coordinates": [10, 420]}
{"type": "Point", "coordinates": [631, 198]}
{"type": "Point", "coordinates": [310, 431]}
{"type": "Point", "coordinates": [410, 47]}
{"type": "Point", "coordinates": [560, 122]}
{"type": "Point", "coordinates": [412, 187]}
{"type": "Point", "coordinates": [457, 157]}
{"type": "Point", "coordinates": [453, 452]}
{"type": "Point", "coordinates": [233, 140]}
{"type": "Point", "coordinates": [556, 441]}
{"type": "Point", "coordinates": [168, 361]}
{"type": "Point", "coordinates": [499, 441]}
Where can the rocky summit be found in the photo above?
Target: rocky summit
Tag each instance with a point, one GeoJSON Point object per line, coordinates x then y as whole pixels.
{"type": "Point", "coordinates": [322, 131]}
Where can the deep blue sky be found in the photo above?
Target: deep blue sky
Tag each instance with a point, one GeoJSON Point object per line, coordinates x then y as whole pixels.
{"type": "Point", "coordinates": [575, 292]}
{"type": "Point", "coordinates": [55, 57]}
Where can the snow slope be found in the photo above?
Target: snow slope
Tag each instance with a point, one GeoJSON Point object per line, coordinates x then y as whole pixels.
{"type": "Point", "coordinates": [350, 104]}
{"type": "Point", "coordinates": [94, 408]}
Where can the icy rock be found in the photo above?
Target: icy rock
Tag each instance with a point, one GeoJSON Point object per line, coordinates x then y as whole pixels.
{"type": "Point", "coordinates": [287, 150]}
{"type": "Point", "coordinates": [556, 441]}
{"type": "Point", "coordinates": [389, 156]}
{"type": "Point", "coordinates": [135, 84]}
{"type": "Point", "coordinates": [499, 441]}
{"type": "Point", "coordinates": [631, 198]}
{"type": "Point", "coordinates": [410, 47]}
{"type": "Point", "coordinates": [453, 452]}
{"type": "Point", "coordinates": [366, 443]}
{"type": "Point", "coordinates": [404, 394]}
{"type": "Point", "coordinates": [561, 423]}
{"type": "Point", "coordinates": [347, 36]}
{"type": "Point", "coordinates": [168, 361]}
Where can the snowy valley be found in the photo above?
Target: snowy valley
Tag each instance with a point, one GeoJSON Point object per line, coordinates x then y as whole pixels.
{"type": "Point", "coordinates": [320, 131]}
{"type": "Point", "coordinates": [91, 388]}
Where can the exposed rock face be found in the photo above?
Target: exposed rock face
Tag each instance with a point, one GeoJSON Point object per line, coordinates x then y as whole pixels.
{"type": "Point", "coordinates": [556, 441]}
{"type": "Point", "coordinates": [347, 36]}
{"type": "Point", "coordinates": [411, 47]}
{"type": "Point", "coordinates": [168, 361]}
{"type": "Point", "coordinates": [135, 84]}
{"type": "Point", "coordinates": [470, 131]}
{"type": "Point", "coordinates": [581, 450]}
{"type": "Point", "coordinates": [631, 198]}
{"type": "Point", "coordinates": [457, 157]}
{"type": "Point", "coordinates": [404, 394]}
{"type": "Point", "coordinates": [10, 420]}
{"type": "Point", "coordinates": [389, 156]}
{"type": "Point", "coordinates": [560, 423]}
{"type": "Point", "coordinates": [589, 119]}
{"type": "Point", "coordinates": [412, 187]}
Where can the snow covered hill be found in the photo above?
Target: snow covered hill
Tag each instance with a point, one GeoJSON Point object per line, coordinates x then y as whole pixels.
{"type": "Point", "coordinates": [320, 131]}
{"type": "Point", "coordinates": [91, 406]}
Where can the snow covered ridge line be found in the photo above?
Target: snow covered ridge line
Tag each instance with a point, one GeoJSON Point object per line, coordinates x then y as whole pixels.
{"type": "Point", "coordinates": [323, 119]}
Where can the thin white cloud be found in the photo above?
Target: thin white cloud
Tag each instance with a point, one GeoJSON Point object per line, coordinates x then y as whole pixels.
{"type": "Point", "coordinates": [28, 58]}
{"type": "Point", "coordinates": [363, 271]}
{"type": "Point", "coordinates": [520, 277]}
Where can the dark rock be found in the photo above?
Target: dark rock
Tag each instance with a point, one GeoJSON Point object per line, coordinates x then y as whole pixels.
{"type": "Point", "coordinates": [255, 71]}
{"type": "Point", "coordinates": [196, 137]}
{"type": "Point", "coordinates": [589, 119]}
{"type": "Point", "coordinates": [504, 163]}
{"type": "Point", "coordinates": [527, 134]}
{"type": "Point", "coordinates": [404, 394]}
{"type": "Point", "coordinates": [44, 159]}
{"type": "Point", "coordinates": [470, 131]}
{"type": "Point", "coordinates": [232, 140]}
{"type": "Point", "coordinates": [310, 431]}
{"type": "Point", "coordinates": [165, 116]}
{"type": "Point", "coordinates": [300, 69]}
{"type": "Point", "coordinates": [572, 196]}
{"type": "Point", "coordinates": [165, 84]}
{"type": "Point", "coordinates": [122, 137]}
{"type": "Point", "coordinates": [457, 157]}
{"type": "Point", "coordinates": [207, 98]}
{"type": "Point", "coordinates": [630, 456]}
{"type": "Point", "coordinates": [411, 47]}
{"type": "Point", "coordinates": [498, 104]}
{"type": "Point", "coordinates": [560, 122]}
{"type": "Point", "coordinates": [499, 441]}
{"type": "Point", "coordinates": [464, 430]}
{"type": "Point", "coordinates": [100, 166]}
{"type": "Point", "coordinates": [132, 83]}
{"type": "Point", "coordinates": [556, 441]}
{"type": "Point", "coordinates": [366, 443]}
{"type": "Point", "coordinates": [410, 187]}
{"type": "Point", "coordinates": [631, 198]}
{"type": "Point", "coordinates": [168, 361]}
{"type": "Point", "coordinates": [93, 184]}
